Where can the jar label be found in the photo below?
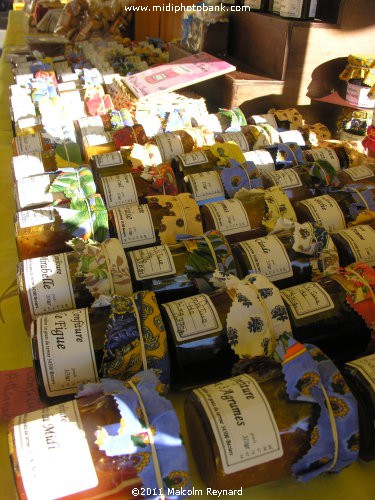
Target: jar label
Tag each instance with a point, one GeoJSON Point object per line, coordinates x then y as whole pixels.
{"type": "Point", "coordinates": [92, 130]}
{"type": "Point", "coordinates": [32, 121]}
{"type": "Point", "coordinates": [33, 191]}
{"type": "Point", "coordinates": [48, 284]}
{"type": "Point", "coordinates": [292, 136]}
{"type": "Point", "coordinates": [29, 218]}
{"type": "Point", "coordinates": [326, 212]}
{"type": "Point", "coordinates": [108, 160]}
{"type": "Point", "coordinates": [307, 299]}
{"type": "Point", "coordinates": [242, 421]}
{"type": "Point", "coordinates": [66, 352]}
{"type": "Point", "coordinates": [193, 317]}
{"type": "Point", "coordinates": [193, 158]}
{"type": "Point", "coordinates": [134, 225]}
{"type": "Point", "coordinates": [366, 366]}
{"type": "Point", "coordinates": [170, 145]}
{"type": "Point", "coordinates": [327, 154]}
{"type": "Point", "coordinates": [262, 160]}
{"type": "Point", "coordinates": [291, 8]}
{"type": "Point", "coordinates": [269, 257]}
{"type": "Point", "coordinates": [45, 440]}
{"type": "Point", "coordinates": [286, 179]}
{"type": "Point", "coordinates": [359, 96]}
{"type": "Point", "coordinates": [254, 4]}
{"type": "Point", "coordinates": [237, 137]}
{"type": "Point", "coordinates": [206, 185]}
{"type": "Point", "coordinates": [152, 262]}
{"type": "Point", "coordinates": [361, 240]}
{"type": "Point", "coordinates": [27, 165]}
{"type": "Point", "coordinates": [347, 136]}
{"type": "Point", "coordinates": [276, 6]}
{"type": "Point", "coordinates": [267, 118]}
{"type": "Point", "coordinates": [359, 173]}
{"type": "Point", "coordinates": [28, 144]}
{"type": "Point", "coordinates": [229, 216]}
{"type": "Point", "coordinates": [119, 190]}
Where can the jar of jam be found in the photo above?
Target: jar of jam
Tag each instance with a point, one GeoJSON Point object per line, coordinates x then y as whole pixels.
{"type": "Point", "coordinates": [29, 144]}
{"type": "Point", "coordinates": [297, 9]}
{"type": "Point", "coordinates": [35, 163]}
{"type": "Point", "coordinates": [296, 182]}
{"type": "Point", "coordinates": [337, 156]}
{"type": "Point", "coordinates": [356, 244]}
{"type": "Point", "coordinates": [364, 174]}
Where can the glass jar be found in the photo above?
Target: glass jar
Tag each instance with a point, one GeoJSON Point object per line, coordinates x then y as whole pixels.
{"type": "Point", "coordinates": [336, 156]}
{"type": "Point", "coordinates": [298, 9]}
{"type": "Point", "coordinates": [365, 174]}
{"type": "Point", "coordinates": [73, 279]}
{"type": "Point", "coordinates": [356, 244]}
{"type": "Point", "coordinates": [44, 231]}
{"type": "Point", "coordinates": [114, 163]}
{"type": "Point", "coordinates": [29, 144]}
{"type": "Point", "coordinates": [296, 182]}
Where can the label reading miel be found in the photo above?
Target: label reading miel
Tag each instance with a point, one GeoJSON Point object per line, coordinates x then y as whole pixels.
{"type": "Point", "coordinates": [237, 137]}
{"type": "Point", "coordinates": [206, 185]}
{"type": "Point", "coordinates": [229, 216]}
{"type": "Point", "coordinates": [152, 262]}
{"type": "Point", "coordinates": [66, 352]}
{"type": "Point", "coordinates": [327, 154]}
{"type": "Point", "coordinates": [29, 218]}
{"type": "Point", "coordinates": [108, 160]}
{"type": "Point", "coordinates": [119, 190]}
{"type": "Point", "coordinates": [45, 440]}
{"type": "Point", "coordinates": [359, 173]}
{"type": "Point", "coordinates": [361, 240]}
{"type": "Point", "coordinates": [193, 158]}
{"type": "Point", "coordinates": [307, 300]}
{"type": "Point", "coordinates": [242, 422]}
{"type": "Point", "coordinates": [170, 145]}
{"type": "Point", "coordinates": [134, 225]}
{"type": "Point", "coordinates": [366, 366]}
{"type": "Point", "coordinates": [262, 160]}
{"type": "Point", "coordinates": [28, 144]}
{"type": "Point", "coordinates": [48, 284]}
{"type": "Point", "coordinates": [193, 317]}
{"type": "Point", "coordinates": [326, 212]}
{"type": "Point", "coordinates": [268, 256]}
{"type": "Point", "coordinates": [286, 179]}
{"type": "Point", "coordinates": [27, 165]}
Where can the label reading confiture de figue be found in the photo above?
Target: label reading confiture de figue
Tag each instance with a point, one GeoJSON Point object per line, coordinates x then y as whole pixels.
{"type": "Point", "coordinates": [361, 240]}
{"type": "Point", "coordinates": [134, 225]}
{"type": "Point", "coordinates": [48, 284]}
{"type": "Point", "coordinates": [229, 216]}
{"type": "Point", "coordinates": [153, 262]}
{"type": "Point", "coordinates": [268, 256]}
{"type": "Point", "coordinates": [307, 299]}
{"type": "Point", "coordinates": [326, 212]}
{"type": "Point", "coordinates": [193, 317]}
{"type": "Point", "coordinates": [66, 352]}
{"type": "Point", "coordinates": [366, 366]}
{"type": "Point", "coordinates": [242, 422]}
{"type": "Point", "coordinates": [106, 160]}
{"type": "Point", "coordinates": [119, 190]}
{"type": "Point", "coordinates": [206, 185]}
{"type": "Point", "coordinates": [44, 441]}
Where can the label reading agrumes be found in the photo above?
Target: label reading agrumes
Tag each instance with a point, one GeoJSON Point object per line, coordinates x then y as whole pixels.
{"type": "Point", "coordinates": [134, 225]}
{"type": "Point", "coordinates": [242, 422]}
{"type": "Point", "coordinates": [66, 352]}
{"type": "Point", "coordinates": [229, 216]}
{"type": "Point", "coordinates": [44, 441]}
{"type": "Point", "coordinates": [193, 317]}
{"type": "Point", "coordinates": [152, 262]}
{"type": "Point", "coordinates": [307, 299]}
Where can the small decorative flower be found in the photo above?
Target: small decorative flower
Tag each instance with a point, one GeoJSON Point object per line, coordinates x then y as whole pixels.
{"type": "Point", "coordinates": [353, 442]}
{"type": "Point", "coordinates": [279, 313]}
{"type": "Point", "coordinates": [177, 478]}
{"type": "Point", "coordinates": [339, 385]}
{"type": "Point", "coordinates": [162, 228]}
{"type": "Point", "coordinates": [244, 300]}
{"type": "Point", "coordinates": [179, 222]}
{"type": "Point", "coordinates": [232, 335]}
{"type": "Point", "coordinates": [255, 325]}
{"type": "Point", "coordinates": [339, 407]}
{"type": "Point", "coordinates": [140, 460]}
{"type": "Point", "coordinates": [265, 292]}
{"type": "Point", "coordinates": [314, 436]}
{"type": "Point", "coordinates": [307, 382]}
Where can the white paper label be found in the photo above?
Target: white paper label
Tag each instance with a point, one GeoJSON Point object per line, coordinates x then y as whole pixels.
{"type": "Point", "coordinates": [327, 154]}
{"type": "Point", "coordinates": [134, 225]}
{"type": "Point", "coordinates": [359, 173]}
{"type": "Point", "coordinates": [32, 121]}
{"type": "Point", "coordinates": [326, 212]}
{"type": "Point", "coordinates": [291, 8]}
{"type": "Point", "coordinates": [170, 145]}
{"type": "Point", "coordinates": [48, 284]}
{"type": "Point", "coordinates": [27, 165]}
{"type": "Point", "coordinates": [287, 178]}
{"type": "Point", "coordinates": [26, 144]}
{"type": "Point", "coordinates": [268, 118]}
{"type": "Point", "coordinates": [254, 4]}
{"type": "Point", "coordinates": [33, 191]}
{"type": "Point", "coordinates": [292, 136]}
{"type": "Point", "coordinates": [361, 240]}
{"type": "Point", "coordinates": [48, 441]}
{"type": "Point", "coordinates": [119, 190]}
{"type": "Point", "coordinates": [242, 421]}
{"type": "Point", "coordinates": [153, 262]}
{"type": "Point", "coordinates": [307, 300]}
{"type": "Point", "coordinates": [206, 185]}
{"type": "Point", "coordinates": [262, 160]}
{"type": "Point", "coordinates": [193, 317]}
{"type": "Point", "coordinates": [366, 366]}
{"type": "Point", "coordinates": [229, 216]}
{"type": "Point", "coordinates": [193, 158]}
{"type": "Point", "coordinates": [237, 137]}
{"type": "Point", "coordinates": [276, 6]}
{"type": "Point", "coordinates": [359, 96]}
{"type": "Point", "coordinates": [66, 352]}
{"type": "Point", "coordinates": [93, 132]}
{"type": "Point", "coordinates": [66, 86]}
{"type": "Point", "coordinates": [29, 218]}
{"type": "Point", "coordinates": [108, 160]}
{"type": "Point", "coordinates": [268, 256]}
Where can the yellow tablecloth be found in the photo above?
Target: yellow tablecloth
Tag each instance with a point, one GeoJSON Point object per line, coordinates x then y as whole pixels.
{"type": "Point", "coordinates": [355, 483]}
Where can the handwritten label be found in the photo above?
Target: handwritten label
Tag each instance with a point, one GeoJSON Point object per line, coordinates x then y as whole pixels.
{"type": "Point", "coordinates": [108, 160]}
{"type": "Point", "coordinates": [237, 137]}
{"type": "Point", "coordinates": [366, 367]}
{"type": "Point", "coordinates": [28, 144]}
{"type": "Point", "coordinates": [206, 185]}
{"type": "Point", "coordinates": [119, 190]}
{"type": "Point", "coordinates": [33, 191]}
{"type": "Point", "coordinates": [286, 179]}
{"type": "Point", "coordinates": [307, 300]}
{"type": "Point", "coordinates": [327, 154]}
{"type": "Point", "coordinates": [361, 240]}
{"type": "Point", "coordinates": [262, 160]}
{"type": "Point", "coordinates": [326, 212]}
{"type": "Point", "coordinates": [152, 262]}
{"type": "Point", "coordinates": [193, 317]}
{"type": "Point", "coordinates": [229, 216]}
{"type": "Point", "coordinates": [359, 173]}
{"type": "Point", "coordinates": [29, 218]}
{"type": "Point", "coordinates": [134, 225]}
{"type": "Point", "coordinates": [27, 165]}
{"type": "Point", "coordinates": [170, 145]}
{"type": "Point", "coordinates": [242, 422]}
{"type": "Point", "coordinates": [193, 158]}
